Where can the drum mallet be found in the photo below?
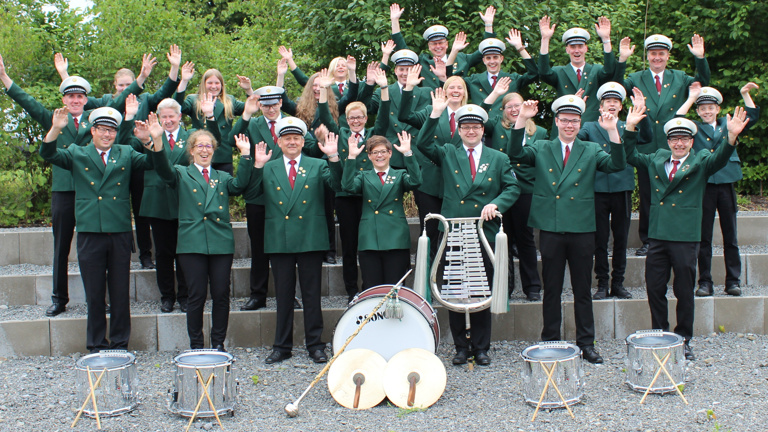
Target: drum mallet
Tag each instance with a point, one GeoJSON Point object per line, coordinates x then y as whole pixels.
{"type": "Point", "coordinates": [292, 409]}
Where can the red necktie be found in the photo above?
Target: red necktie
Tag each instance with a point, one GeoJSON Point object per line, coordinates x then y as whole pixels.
{"type": "Point", "coordinates": [578, 74]}
{"type": "Point", "coordinates": [205, 175]}
{"type": "Point", "coordinates": [358, 136]}
{"type": "Point", "coordinates": [292, 173]}
{"type": "Point", "coordinates": [272, 130]}
{"type": "Point", "coordinates": [453, 123]}
{"type": "Point", "coordinates": [567, 154]}
{"type": "Point", "coordinates": [77, 122]}
{"type": "Point", "coordinates": [658, 85]}
{"type": "Point", "coordinates": [171, 141]}
{"type": "Point", "coordinates": [104, 158]}
{"type": "Point", "coordinates": [672, 172]}
{"type": "Point", "coordinates": [494, 78]}
{"type": "Point", "coordinates": [341, 89]}
{"type": "Point", "coordinates": [472, 168]}
{"type": "Point", "coordinates": [381, 177]}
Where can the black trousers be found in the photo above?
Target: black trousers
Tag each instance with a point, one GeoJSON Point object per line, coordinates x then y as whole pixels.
{"type": "Point", "coordinates": [680, 257]}
{"type": "Point", "coordinates": [143, 240]}
{"type": "Point", "coordinates": [255, 214]}
{"type": "Point", "coordinates": [63, 224]}
{"type": "Point", "coordinates": [516, 222]}
{"type": "Point", "coordinates": [227, 167]}
{"type": "Point", "coordinates": [105, 264]}
{"type": "Point", "coordinates": [310, 269]}
{"type": "Point", "coordinates": [612, 214]}
{"type": "Point", "coordinates": [330, 201]}
{"type": "Point", "coordinates": [165, 233]}
{"type": "Point", "coordinates": [384, 267]}
{"type": "Point", "coordinates": [644, 186]}
{"type": "Point", "coordinates": [200, 270]}
{"type": "Point", "coordinates": [720, 198]}
{"type": "Point", "coordinates": [576, 249]}
{"type": "Point", "coordinates": [429, 204]}
{"type": "Point", "coordinates": [349, 210]}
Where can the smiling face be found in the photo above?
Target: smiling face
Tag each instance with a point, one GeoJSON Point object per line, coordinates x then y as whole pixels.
{"type": "Point", "coordinates": [202, 149]}
{"type": "Point", "coordinates": [75, 102]}
{"type": "Point", "coordinates": [512, 108]}
{"type": "Point", "coordinates": [103, 137]}
{"type": "Point", "coordinates": [271, 112]}
{"type": "Point", "coordinates": [169, 119]}
{"type": "Point", "coordinates": [471, 134]}
{"type": "Point", "coordinates": [708, 112]}
{"type": "Point", "coordinates": [438, 47]}
{"type": "Point", "coordinates": [316, 88]}
{"type": "Point", "coordinates": [493, 62]}
{"type": "Point", "coordinates": [680, 145]}
{"type": "Point", "coordinates": [611, 105]}
{"type": "Point", "coordinates": [356, 119]}
{"type": "Point", "coordinates": [338, 68]}
{"type": "Point", "coordinates": [213, 85]}
{"type": "Point", "coordinates": [401, 72]}
{"type": "Point", "coordinates": [456, 91]}
{"type": "Point", "coordinates": [379, 155]}
{"type": "Point", "coordinates": [122, 82]}
{"type": "Point", "coordinates": [291, 145]}
{"type": "Point", "coordinates": [568, 126]}
{"type": "Point", "coordinates": [577, 52]}
{"type": "Point", "coordinates": [657, 59]}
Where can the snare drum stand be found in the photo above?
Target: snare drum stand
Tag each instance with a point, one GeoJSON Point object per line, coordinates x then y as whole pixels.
{"type": "Point", "coordinates": [549, 371]}
{"type": "Point", "coordinates": [91, 396]}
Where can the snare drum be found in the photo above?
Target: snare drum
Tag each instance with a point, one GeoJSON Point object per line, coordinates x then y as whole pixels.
{"type": "Point", "coordinates": [117, 393]}
{"type": "Point", "coordinates": [566, 359]}
{"type": "Point", "coordinates": [188, 389]}
{"type": "Point", "coordinates": [643, 348]}
{"type": "Point", "coordinates": [388, 336]}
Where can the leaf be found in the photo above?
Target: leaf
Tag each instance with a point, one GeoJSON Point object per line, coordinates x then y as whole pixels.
{"type": "Point", "coordinates": [721, 328]}
{"type": "Point", "coordinates": [255, 379]}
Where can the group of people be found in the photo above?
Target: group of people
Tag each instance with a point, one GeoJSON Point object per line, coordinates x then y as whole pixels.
{"type": "Point", "coordinates": [305, 162]}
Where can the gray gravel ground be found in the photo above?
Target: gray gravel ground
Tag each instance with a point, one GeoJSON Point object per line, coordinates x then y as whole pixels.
{"type": "Point", "coordinates": [729, 378]}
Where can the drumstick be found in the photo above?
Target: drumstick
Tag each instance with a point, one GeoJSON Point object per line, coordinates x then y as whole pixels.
{"type": "Point", "coordinates": [199, 401]}
{"type": "Point", "coordinates": [90, 382]}
{"type": "Point", "coordinates": [554, 384]}
{"type": "Point", "coordinates": [548, 373]}
{"type": "Point", "coordinates": [292, 409]}
{"type": "Point", "coordinates": [208, 396]}
{"type": "Point", "coordinates": [655, 377]}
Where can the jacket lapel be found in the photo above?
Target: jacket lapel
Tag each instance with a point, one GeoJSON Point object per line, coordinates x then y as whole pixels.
{"type": "Point", "coordinates": [479, 175]}
{"type": "Point", "coordinates": [556, 148]}
{"type": "Point", "coordinates": [395, 97]}
{"type": "Point", "coordinates": [114, 155]}
{"type": "Point", "coordinates": [179, 153]}
{"type": "Point", "coordinates": [386, 188]}
{"type": "Point", "coordinates": [96, 158]}
{"type": "Point", "coordinates": [577, 149]}
{"type": "Point", "coordinates": [303, 170]}
{"type": "Point", "coordinates": [210, 191]}
{"type": "Point", "coordinates": [650, 92]}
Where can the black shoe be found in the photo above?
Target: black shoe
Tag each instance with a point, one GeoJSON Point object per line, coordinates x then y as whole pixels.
{"type": "Point", "coordinates": [688, 352]}
{"type": "Point", "coordinates": [481, 358]}
{"type": "Point", "coordinates": [620, 292]}
{"type": "Point", "coordinates": [591, 355]}
{"type": "Point", "coordinates": [600, 294]}
{"type": "Point", "coordinates": [277, 356]}
{"type": "Point", "coordinates": [55, 309]}
{"type": "Point", "coordinates": [296, 304]}
{"type": "Point", "coordinates": [705, 289]}
{"type": "Point", "coordinates": [643, 251]}
{"type": "Point", "coordinates": [146, 263]}
{"type": "Point", "coordinates": [533, 296]}
{"type": "Point", "coordinates": [166, 306]}
{"type": "Point", "coordinates": [318, 356]}
{"type": "Point", "coordinates": [183, 306]}
{"type": "Point", "coordinates": [733, 289]}
{"type": "Point", "coordinates": [330, 258]}
{"type": "Point", "coordinates": [220, 348]}
{"type": "Point", "coordinates": [253, 304]}
{"type": "Point", "coordinates": [460, 358]}
{"type": "Point", "coordinates": [514, 251]}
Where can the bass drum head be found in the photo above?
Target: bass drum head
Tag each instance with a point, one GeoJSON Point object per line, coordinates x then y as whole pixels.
{"type": "Point", "coordinates": [386, 336]}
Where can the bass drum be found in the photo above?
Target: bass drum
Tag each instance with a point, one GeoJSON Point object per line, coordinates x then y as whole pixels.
{"type": "Point", "coordinates": [388, 336]}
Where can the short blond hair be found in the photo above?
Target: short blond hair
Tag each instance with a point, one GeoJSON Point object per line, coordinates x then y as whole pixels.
{"type": "Point", "coordinates": [356, 106]}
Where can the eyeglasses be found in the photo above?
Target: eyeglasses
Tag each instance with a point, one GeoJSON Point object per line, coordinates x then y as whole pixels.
{"type": "Point", "coordinates": [270, 107]}
{"type": "Point", "coordinates": [378, 152]}
{"type": "Point", "coordinates": [679, 140]}
{"type": "Point", "coordinates": [470, 127]}
{"type": "Point", "coordinates": [105, 130]}
{"type": "Point", "coordinates": [204, 146]}
{"type": "Point", "coordinates": [515, 106]}
{"type": "Point", "coordinates": [567, 122]}
{"type": "Point", "coordinates": [356, 118]}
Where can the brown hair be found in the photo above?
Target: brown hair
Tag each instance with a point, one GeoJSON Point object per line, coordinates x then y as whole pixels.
{"type": "Point", "coordinates": [120, 73]}
{"type": "Point", "coordinates": [530, 126]}
{"type": "Point", "coordinates": [192, 141]}
{"type": "Point", "coordinates": [225, 100]}
{"type": "Point", "coordinates": [377, 141]}
{"type": "Point", "coordinates": [307, 105]}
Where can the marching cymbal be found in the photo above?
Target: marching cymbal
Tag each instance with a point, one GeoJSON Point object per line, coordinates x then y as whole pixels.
{"type": "Point", "coordinates": [355, 379]}
{"type": "Point", "coordinates": [414, 374]}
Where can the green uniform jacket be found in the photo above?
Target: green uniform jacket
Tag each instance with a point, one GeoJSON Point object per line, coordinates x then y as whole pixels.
{"type": "Point", "coordinates": [257, 130]}
{"type": "Point", "coordinates": [372, 100]}
{"type": "Point", "coordinates": [674, 92]}
{"type": "Point", "coordinates": [676, 207]}
{"type": "Point", "coordinates": [189, 107]}
{"type": "Point", "coordinates": [295, 218]}
{"type": "Point", "coordinates": [350, 96]}
{"type": "Point", "coordinates": [494, 183]}
{"type": "Point", "coordinates": [62, 178]}
{"type": "Point", "coordinates": [204, 226]}
{"type": "Point", "coordinates": [383, 225]}
{"type": "Point", "coordinates": [480, 87]}
{"type": "Point", "coordinates": [147, 102]}
{"type": "Point", "coordinates": [563, 79]}
{"type": "Point", "coordinates": [160, 200]}
{"type": "Point", "coordinates": [708, 139]}
{"type": "Point", "coordinates": [363, 163]}
{"type": "Point", "coordinates": [564, 198]}
{"type": "Point", "coordinates": [463, 62]}
{"type": "Point", "coordinates": [624, 180]}
{"type": "Point", "coordinates": [497, 137]}
{"type": "Point", "coordinates": [102, 197]}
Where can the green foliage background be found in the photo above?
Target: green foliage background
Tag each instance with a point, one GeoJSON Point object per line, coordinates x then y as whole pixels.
{"type": "Point", "coordinates": [242, 38]}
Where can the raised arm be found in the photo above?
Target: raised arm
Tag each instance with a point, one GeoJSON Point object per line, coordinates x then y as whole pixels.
{"type": "Point", "coordinates": [425, 141]}
{"type": "Point", "coordinates": [412, 179]}
{"type": "Point", "coordinates": [545, 68]}
{"type": "Point", "coordinates": [693, 92]}
{"type": "Point", "coordinates": [395, 12]}
{"type": "Point", "coordinates": [48, 149]}
{"type": "Point", "coordinates": [62, 65]}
